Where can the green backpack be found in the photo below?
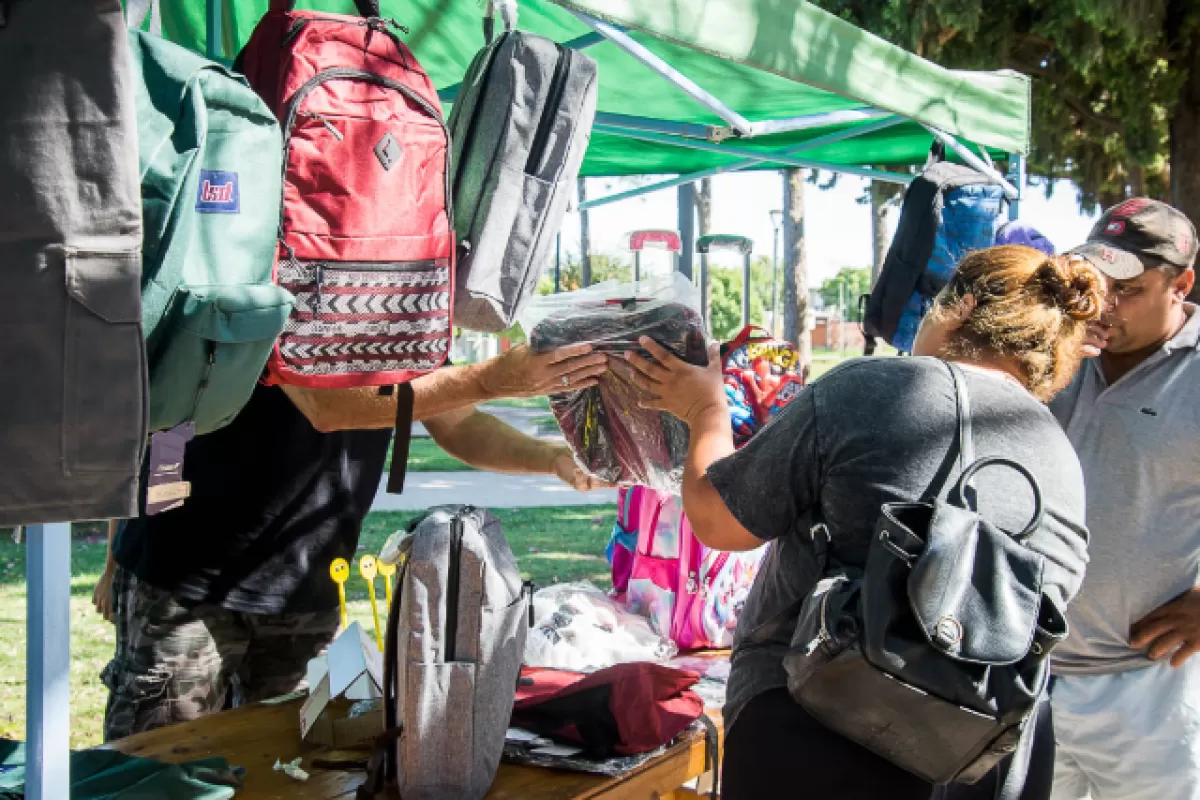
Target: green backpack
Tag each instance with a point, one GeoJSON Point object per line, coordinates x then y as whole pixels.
{"type": "Point", "coordinates": [210, 155]}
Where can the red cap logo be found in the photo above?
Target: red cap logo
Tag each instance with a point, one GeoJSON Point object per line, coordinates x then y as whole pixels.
{"type": "Point", "coordinates": [1129, 208]}
{"type": "Point", "coordinates": [1183, 242]}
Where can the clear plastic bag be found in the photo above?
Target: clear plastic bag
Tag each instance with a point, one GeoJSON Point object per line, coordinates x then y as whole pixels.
{"type": "Point", "coordinates": [611, 435]}
{"type": "Point", "coordinates": [579, 627]}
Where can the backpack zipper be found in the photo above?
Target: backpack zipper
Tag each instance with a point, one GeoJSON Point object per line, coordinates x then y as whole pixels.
{"type": "Point", "coordinates": [348, 73]}
{"type": "Point", "coordinates": [378, 266]}
{"type": "Point", "coordinates": [452, 582]}
{"type": "Point", "coordinates": [472, 123]}
{"type": "Point", "coordinates": [527, 589]}
{"type": "Point", "coordinates": [553, 100]}
{"type": "Point", "coordinates": [320, 281]}
{"type": "Point", "coordinates": [823, 634]}
{"type": "Point", "coordinates": [324, 121]}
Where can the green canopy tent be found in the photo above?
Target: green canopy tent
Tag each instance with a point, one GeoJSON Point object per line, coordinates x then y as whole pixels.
{"type": "Point", "coordinates": [688, 88]}
{"type": "Point", "coordinates": [699, 85]}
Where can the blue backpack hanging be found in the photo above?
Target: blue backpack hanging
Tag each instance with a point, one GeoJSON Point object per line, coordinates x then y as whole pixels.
{"type": "Point", "coordinates": [948, 211]}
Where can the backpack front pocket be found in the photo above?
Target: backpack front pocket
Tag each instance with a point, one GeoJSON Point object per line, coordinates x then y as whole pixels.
{"type": "Point", "coordinates": [828, 624]}
{"type": "Point", "coordinates": [208, 368]}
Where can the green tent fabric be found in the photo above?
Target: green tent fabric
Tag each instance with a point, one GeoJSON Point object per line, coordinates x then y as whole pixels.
{"type": "Point", "coordinates": [766, 59]}
{"type": "Point", "coordinates": [109, 775]}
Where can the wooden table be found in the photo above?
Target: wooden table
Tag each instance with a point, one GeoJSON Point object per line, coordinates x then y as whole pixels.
{"type": "Point", "coordinates": [255, 736]}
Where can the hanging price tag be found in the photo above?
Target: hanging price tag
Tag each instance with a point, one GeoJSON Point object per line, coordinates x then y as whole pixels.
{"type": "Point", "coordinates": [165, 487]}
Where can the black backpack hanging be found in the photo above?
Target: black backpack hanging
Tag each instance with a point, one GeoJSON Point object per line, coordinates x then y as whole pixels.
{"type": "Point", "coordinates": [904, 269]}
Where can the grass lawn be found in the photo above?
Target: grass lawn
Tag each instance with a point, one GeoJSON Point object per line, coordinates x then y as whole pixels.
{"type": "Point", "coordinates": [563, 544]}
{"type": "Point", "coordinates": [424, 455]}
{"type": "Point", "coordinates": [522, 402]}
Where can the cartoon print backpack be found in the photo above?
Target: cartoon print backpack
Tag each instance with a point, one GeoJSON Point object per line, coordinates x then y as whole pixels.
{"type": "Point", "coordinates": [691, 594]}
{"type": "Point", "coordinates": [761, 378]}
{"type": "Point", "coordinates": [366, 239]}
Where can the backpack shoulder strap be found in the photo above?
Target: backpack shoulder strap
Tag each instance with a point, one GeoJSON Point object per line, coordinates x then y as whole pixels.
{"type": "Point", "coordinates": [962, 448]}
{"type": "Point", "coordinates": [405, 400]}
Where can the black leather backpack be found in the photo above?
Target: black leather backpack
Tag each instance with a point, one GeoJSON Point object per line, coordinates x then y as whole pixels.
{"type": "Point", "coordinates": [936, 654]}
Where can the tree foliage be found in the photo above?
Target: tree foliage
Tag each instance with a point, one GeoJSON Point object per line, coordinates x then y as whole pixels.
{"type": "Point", "coordinates": [1110, 85]}
{"type": "Point", "coordinates": [847, 286]}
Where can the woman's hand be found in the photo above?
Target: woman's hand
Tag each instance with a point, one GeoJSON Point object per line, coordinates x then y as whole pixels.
{"type": "Point", "coordinates": [677, 387]}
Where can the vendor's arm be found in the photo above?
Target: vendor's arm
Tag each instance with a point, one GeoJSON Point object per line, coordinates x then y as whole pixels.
{"type": "Point", "coordinates": [517, 373]}
{"type": "Point", "coordinates": [488, 443]}
{"type": "Point", "coordinates": [734, 500]}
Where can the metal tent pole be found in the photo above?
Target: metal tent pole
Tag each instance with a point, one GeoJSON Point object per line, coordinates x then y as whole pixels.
{"type": "Point", "coordinates": [214, 44]}
{"type": "Point", "coordinates": [735, 166]}
{"type": "Point", "coordinates": [1016, 174]}
{"type": "Point", "coordinates": [687, 227]}
{"type": "Point", "coordinates": [620, 38]}
{"type": "Point", "coordinates": [746, 291]}
{"type": "Point", "coordinates": [558, 263]}
{"type": "Point", "coordinates": [48, 661]}
{"type": "Point", "coordinates": [974, 161]}
{"type": "Point", "coordinates": [637, 265]}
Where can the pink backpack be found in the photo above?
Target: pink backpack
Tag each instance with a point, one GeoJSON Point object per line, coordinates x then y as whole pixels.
{"type": "Point", "coordinates": [691, 594]}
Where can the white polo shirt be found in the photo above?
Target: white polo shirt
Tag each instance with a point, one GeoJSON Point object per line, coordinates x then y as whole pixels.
{"type": "Point", "coordinates": [1139, 444]}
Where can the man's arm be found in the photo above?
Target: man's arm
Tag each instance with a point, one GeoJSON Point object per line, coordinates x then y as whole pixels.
{"type": "Point", "coordinates": [488, 443]}
{"type": "Point", "coordinates": [517, 373]}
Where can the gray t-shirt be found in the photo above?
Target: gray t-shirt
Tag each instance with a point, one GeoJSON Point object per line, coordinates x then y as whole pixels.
{"type": "Point", "coordinates": [1139, 443]}
{"type": "Point", "coordinates": [878, 431]}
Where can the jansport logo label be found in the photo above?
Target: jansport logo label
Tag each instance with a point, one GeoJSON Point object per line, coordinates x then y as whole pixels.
{"type": "Point", "coordinates": [218, 193]}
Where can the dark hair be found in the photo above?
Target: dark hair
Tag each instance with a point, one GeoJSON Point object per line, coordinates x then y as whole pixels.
{"type": "Point", "coordinates": [1029, 307]}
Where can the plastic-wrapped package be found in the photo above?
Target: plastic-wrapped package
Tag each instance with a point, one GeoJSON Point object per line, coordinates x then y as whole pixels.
{"type": "Point", "coordinates": [579, 627]}
{"type": "Point", "coordinates": [612, 436]}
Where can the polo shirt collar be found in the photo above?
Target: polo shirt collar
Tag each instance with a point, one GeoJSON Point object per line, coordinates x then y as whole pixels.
{"type": "Point", "coordinates": [1188, 337]}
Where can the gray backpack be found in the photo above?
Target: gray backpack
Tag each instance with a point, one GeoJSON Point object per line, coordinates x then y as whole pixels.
{"type": "Point", "coordinates": [519, 127]}
{"type": "Point", "coordinates": [455, 641]}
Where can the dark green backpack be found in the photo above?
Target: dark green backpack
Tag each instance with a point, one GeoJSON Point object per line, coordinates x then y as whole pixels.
{"type": "Point", "coordinates": [210, 160]}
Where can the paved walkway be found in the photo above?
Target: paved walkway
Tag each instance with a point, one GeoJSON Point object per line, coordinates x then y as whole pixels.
{"type": "Point", "coordinates": [485, 489]}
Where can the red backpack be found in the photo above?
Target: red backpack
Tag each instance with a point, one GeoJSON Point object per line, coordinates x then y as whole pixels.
{"type": "Point", "coordinates": [366, 240]}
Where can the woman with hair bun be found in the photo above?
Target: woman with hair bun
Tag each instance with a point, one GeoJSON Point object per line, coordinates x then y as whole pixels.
{"type": "Point", "coordinates": [876, 431]}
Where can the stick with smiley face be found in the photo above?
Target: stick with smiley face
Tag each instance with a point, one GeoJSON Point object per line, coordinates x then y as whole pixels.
{"type": "Point", "coordinates": [339, 570]}
{"type": "Point", "coordinates": [369, 569]}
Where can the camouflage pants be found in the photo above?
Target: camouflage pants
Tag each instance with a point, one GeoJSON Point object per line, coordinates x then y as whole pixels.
{"type": "Point", "coordinates": [174, 663]}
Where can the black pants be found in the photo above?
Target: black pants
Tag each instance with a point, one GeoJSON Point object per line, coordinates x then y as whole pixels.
{"type": "Point", "coordinates": [776, 749]}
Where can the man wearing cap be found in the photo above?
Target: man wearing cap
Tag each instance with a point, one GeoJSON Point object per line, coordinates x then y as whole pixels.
{"type": "Point", "coordinates": [1126, 693]}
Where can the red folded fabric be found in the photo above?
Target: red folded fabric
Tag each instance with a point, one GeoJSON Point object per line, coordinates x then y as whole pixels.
{"type": "Point", "coordinates": [622, 710]}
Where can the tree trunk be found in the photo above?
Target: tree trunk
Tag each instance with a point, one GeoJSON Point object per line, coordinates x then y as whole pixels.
{"type": "Point", "coordinates": [1185, 142]}
{"type": "Point", "coordinates": [1137, 180]}
{"type": "Point", "coordinates": [795, 272]}
{"type": "Point", "coordinates": [881, 237]}
{"type": "Point", "coordinates": [704, 213]}
{"type": "Point", "coordinates": [585, 239]}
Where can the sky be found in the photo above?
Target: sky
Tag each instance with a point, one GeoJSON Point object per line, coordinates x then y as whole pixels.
{"type": "Point", "coordinates": [838, 228]}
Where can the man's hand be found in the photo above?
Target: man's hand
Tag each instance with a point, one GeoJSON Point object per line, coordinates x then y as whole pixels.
{"type": "Point", "coordinates": [520, 372]}
{"type": "Point", "coordinates": [102, 594]}
{"type": "Point", "coordinates": [1172, 629]}
{"type": "Point", "coordinates": [569, 472]}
